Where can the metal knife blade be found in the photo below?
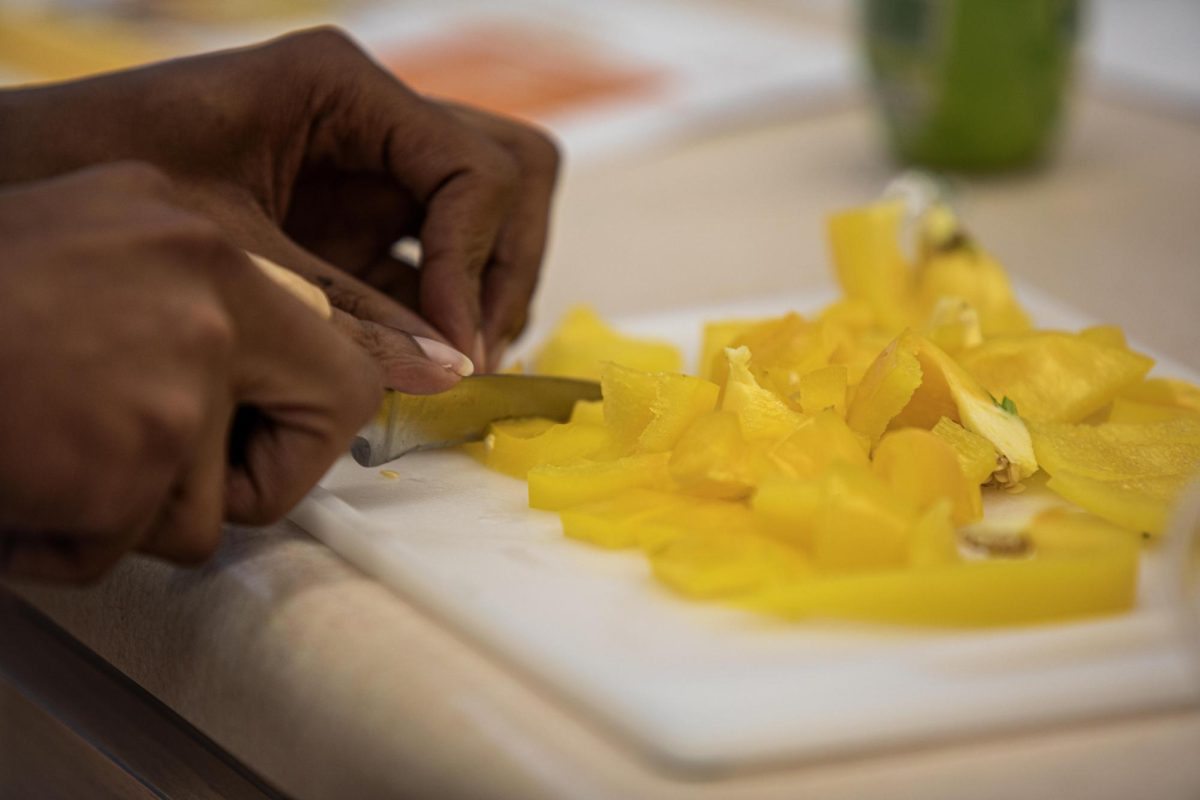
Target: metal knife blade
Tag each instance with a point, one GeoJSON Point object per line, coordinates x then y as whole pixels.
{"type": "Point", "coordinates": [408, 422]}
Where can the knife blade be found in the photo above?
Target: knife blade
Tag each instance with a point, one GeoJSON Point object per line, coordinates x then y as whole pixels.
{"type": "Point", "coordinates": [409, 422]}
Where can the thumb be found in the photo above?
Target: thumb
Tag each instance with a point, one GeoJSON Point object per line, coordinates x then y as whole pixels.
{"type": "Point", "coordinates": [412, 364]}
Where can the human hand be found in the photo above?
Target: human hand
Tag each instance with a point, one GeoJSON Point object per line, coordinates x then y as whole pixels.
{"type": "Point", "coordinates": [156, 381]}
{"type": "Point", "coordinates": [306, 151]}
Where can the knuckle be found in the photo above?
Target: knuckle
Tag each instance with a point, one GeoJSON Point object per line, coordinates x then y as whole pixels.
{"type": "Point", "coordinates": [206, 329]}
{"type": "Point", "coordinates": [326, 40]}
{"type": "Point", "coordinates": [539, 150]}
{"type": "Point", "coordinates": [172, 422]}
{"type": "Point", "coordinates": [138, 175]}
{"type": "Point", "coordinates": [497, 171]}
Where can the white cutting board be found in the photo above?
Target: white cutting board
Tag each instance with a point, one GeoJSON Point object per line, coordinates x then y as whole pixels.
{"type": "Point", "coordinates": [704, 688]}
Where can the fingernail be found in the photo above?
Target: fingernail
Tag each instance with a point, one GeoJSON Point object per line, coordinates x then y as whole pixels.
{"type": "Point", "coordinates": [445, 356]}
{"type": "Point", "coordinates": [480, 351]}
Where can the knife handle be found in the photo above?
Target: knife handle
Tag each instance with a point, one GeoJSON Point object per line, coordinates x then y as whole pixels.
{"type": "Point", "coordinates": [296, 286]}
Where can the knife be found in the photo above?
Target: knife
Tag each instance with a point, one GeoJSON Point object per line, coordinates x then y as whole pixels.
{"type": "Point", "coordinates": [410, 422]}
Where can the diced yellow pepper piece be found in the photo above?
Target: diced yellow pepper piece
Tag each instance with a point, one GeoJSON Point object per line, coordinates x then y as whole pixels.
{"type": "Point", "coordinates": [763, 414]}
{"type": "Point", "coordinates": [976, 455]}
{"type": "Point", "coordinates": [886, 388]}
{"type": "Point", "coordinates": [819, 441]}
{"type": "Point", "coordinates": [934, 541]}
{"type": "Point", "coordinates": [1055, 377]}
{"type": "Point", "coordinates": [865, 246]}
{"type": "Point", "coordinates": [923, 469]}
{"type": "Point", "coordinates": [848, 519]}
{"type": "Point", "coordinates": [863, 524]}
{"type": "Point", "coordinates": [716, 337]}
{"type": "Point", "coordinates": [554, 487]}
{"type": "Point", "coordinates": [824, 388]}
{"type": "Point", "coordinates": [726, 563]}
{"type": "Point", "coordinates": [647, 412]}
{"type": "Point", "coordinates": [954, 326]}
{"type": "Point", "coordinates": [946, 384]}
{"type": "Point", "coordinates": [1128, 474]}
{"type": "Point", "coordinates": [559, 444]}
{"type": "Point", "coordinates": [1081, 567]}
{"type": "Point", "coordinates": [583, 343]}
{"type": "Point", "coordinates": [619, 521]}
{"type": "Point", "coordinates": [588, 412]}
{"type": "Point", "coordinates": [1166, 392]}
{"type": "Point", "coordinates": [784, 349]}
{"type": "Point", "coordinates": [952, 265]}
{"type": "Point", "coordinates": [1136, 411]}
{"type": "Point", "coordinates": [712, 458]}
{"type": "Point", "coordinates": [1106, 335]}
{"type": "Point", "coordinates": [524, 428]}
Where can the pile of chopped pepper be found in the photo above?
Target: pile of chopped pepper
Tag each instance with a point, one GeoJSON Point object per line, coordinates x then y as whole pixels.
{"type": "Point", "coordinates": [837, 465]}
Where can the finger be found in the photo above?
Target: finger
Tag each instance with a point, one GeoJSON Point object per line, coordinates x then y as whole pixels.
{"type": "Point", "coordinates": [462, 222]}
{"type": "Point", "coordinates": [463, 179]}
{"type": "Point", "coordinates": [188, 530]}
{"type": "Point", "coordinates": [56, 557]}
{"type": "Point", "coordinates": [413, 359]}
{"type": "Point", "coordinates": [512, 276]}
{"type": "Point", "coordinates": [411, 364]}
{"type": "Point", "coordinates": [259, 235]}
{"type": "Point", "coordinates": [301, 391]}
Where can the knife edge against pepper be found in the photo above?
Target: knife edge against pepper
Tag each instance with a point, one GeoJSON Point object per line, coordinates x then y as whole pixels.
{"type": "Point", "coordinates": [406, 423]}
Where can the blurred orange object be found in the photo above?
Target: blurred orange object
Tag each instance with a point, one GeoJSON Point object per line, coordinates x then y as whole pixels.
{"type": "Point", "coordinates": [516, 71]}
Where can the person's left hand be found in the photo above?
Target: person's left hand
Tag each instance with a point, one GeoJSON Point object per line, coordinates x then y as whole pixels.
{"type": "Point", "coordinates": [305, 151]}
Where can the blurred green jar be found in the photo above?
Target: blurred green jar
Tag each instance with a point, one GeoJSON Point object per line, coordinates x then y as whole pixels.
{"type": "Point", "coordinates": [970, 84]}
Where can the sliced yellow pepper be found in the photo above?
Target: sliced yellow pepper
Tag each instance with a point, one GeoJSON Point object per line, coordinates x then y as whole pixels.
{"type": "Point", "coordinates": [1081, 567]}
{"type": "Point", "coordinates": [1055, 377]}
{"type": "Point", "coordinates": [923, 469]}
{"type": "Point", "coordinates": [1128, 474]}
{"type": "Point", "coordinates": [647, 412]}
{"type": "Point", "coordinates": [583, 343]}
{"type": "Point", "coordinates": [555, 487]}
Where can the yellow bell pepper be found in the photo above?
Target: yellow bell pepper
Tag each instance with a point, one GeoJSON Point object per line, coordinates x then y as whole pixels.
{"type": "Point", "coordinates": [588, 412]}
{"type": "Point", "coordinates": [923, 469]}
{"type": "Point", "coordinates": [824, 388]}
{"type": "Point", "coordinates": [763, 413]}
{"type": "Point", "coordinates": [1081, 567]}
{"type": "Point", "coordinates": [1128, 474]}
{"type": "Point", "coordinates": [886, 388]}
{"type": "Point", "coordinates": [976, 455]}
{"type": "Point", "coordinates": [1136, 411]}
{"type": "Point", "coordinates": [726, 562]}
{"type": "Point", "coordinates": [555, 487]}
{"type": "Point", "coordinates": [818, 442]}
{"type": "Point", "coordinates": [715, 337]}
{"type": "Point", "coordinates": [1055, 377]}
{"type": "Point", "coordinates": [865, 246]}
{"type": "Point", "coordinates": [559, 444]}
{"type": "Point", "coordinates": [952, 265]}
{"type": "Point", "coordinates": [1166, 392]}
{"type": "Point", "coordinates": [583, 343]}
{"type": "Point", "coordinates": [713, 459]}
{"type": "Point", "coordinates": [647, 412]}
{"type": "Point", "coordinates": [946, 386]}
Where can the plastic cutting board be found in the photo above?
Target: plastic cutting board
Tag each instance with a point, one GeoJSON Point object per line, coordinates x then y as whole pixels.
{"type": "Point", "coordinates": [705, 689]}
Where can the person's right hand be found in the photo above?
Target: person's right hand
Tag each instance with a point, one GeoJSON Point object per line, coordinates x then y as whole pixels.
{"type": "Point", "coordinates": [155, 381]}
